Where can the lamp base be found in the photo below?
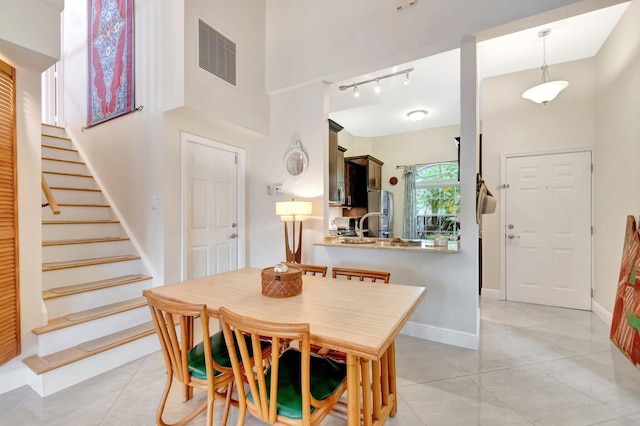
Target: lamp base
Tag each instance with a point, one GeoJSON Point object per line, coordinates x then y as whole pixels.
{"type": "Point", "coordinates": [295, 255]}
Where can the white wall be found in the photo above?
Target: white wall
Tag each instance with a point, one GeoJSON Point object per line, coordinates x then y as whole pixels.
{"type": "Point", "coordinates": [301, 111]}
{"type": "Point", "coordinates": [30, 32]}
{"type": "Point", "coordinates": [335, 40]}
{"type": "Point", "coordinates": [617, 150]}
{"type": "Point", "coordinates": [246, 104]}
{"type": "Point", "coordinates": [511, 124]}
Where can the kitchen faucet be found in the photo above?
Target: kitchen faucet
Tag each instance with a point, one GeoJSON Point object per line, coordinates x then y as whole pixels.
{"type": "Point", "coordinates": [359, 228]}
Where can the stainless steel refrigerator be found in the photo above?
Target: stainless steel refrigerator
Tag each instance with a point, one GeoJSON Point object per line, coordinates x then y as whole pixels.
{"type": "Point", "coordinates": [380, 201]}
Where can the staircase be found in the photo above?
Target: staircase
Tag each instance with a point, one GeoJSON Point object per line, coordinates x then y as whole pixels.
{"type": "Point", "coordinates": [92, 279]}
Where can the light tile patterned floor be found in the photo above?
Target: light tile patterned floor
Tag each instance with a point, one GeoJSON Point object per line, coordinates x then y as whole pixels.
{"type": "Point", "coordinates": [536, 366]}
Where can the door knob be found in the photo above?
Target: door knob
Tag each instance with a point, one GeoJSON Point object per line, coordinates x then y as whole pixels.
{"type": "Point", "coordinates": [511, 236]}
{"type": "Point", "coordinates": [234, 235]}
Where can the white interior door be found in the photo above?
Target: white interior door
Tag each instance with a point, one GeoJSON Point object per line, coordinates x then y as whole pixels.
{"type": "Point", "coordinates": [548, 229]}
{"type": "Point", "coordinates": [211, 210]}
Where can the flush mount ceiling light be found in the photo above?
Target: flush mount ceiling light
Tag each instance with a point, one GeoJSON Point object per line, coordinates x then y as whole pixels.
{"type": "Point", "coordinates": [547, 90]}
{"type": "Point", "coordinates": [417, 115]}
{"type": "Point", "coordinates": [377, 81]}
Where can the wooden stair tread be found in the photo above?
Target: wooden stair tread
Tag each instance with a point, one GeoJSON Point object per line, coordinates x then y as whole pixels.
{"type": "Point", "coordinates": [83, 205]}
{"type": "Point", "coordinates": [67, 174]}
{"type": "Point", "coordinates": [53, 266]}
{"type": "Point", "coordinates": [41, 365]}
{"type": "Point", "coordinates": [93, 285]}
{"type": "Point", "coordinates": [66, 188]}
{"type": "Point", "coordinates": [83, 241]}
{"type": "Point", "coordinates": [55, 127]}
{"type": "Point", "coordinates": [63, 161]}
{"type": "Point", "coordinates": [79, 222]}
{"type": "Point", "coordinates": [90, 314]}
{"type": "Point", "coordinates": [60, 148]}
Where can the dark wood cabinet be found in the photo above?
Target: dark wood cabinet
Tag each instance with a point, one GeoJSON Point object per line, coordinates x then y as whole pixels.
{"type": "Point", "coordinates": [373, 168]}
{"type": "Point", "coordinates": [336, 166]}
{"type": "Point", "coordinates": [355, 183]}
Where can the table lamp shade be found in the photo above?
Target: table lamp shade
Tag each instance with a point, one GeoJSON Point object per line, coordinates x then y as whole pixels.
{"type": "Point", "coordinates": [293, 211]}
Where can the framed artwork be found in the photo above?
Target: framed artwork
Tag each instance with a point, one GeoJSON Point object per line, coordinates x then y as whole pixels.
{"type": "Point", "coordinates": [625, 324]}
{"type": "Point", "coordinates": [110, 60]}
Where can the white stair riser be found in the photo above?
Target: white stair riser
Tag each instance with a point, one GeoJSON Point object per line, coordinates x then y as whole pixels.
{"type": "Point", "coordinates": [60, 154]}
{"type": "Point", "coordinates": [62, 167]}
{"type": "Point", "coordinates": [70, 181]}
{"type": "Point", "coordinates": [58, 340]}
{"type": "Point", "coordinates": [78, 197]}
{"type": "Point", "coordinates": [59, 253]}
{"type": "Point", "coordinates": [62, 143]}
{"type": "Point", "coordinates": [84, 274]}
{"type": "Point", "coordinates": [54, 131]}
{"type": "Point", "coordinates": [69, 375]}
{"type": "Point", "coordinates": [61, 306]}
{"type": "Point", "coordinates": [54, 232]}
{"type": "Point", "coordinates": [79, 213]}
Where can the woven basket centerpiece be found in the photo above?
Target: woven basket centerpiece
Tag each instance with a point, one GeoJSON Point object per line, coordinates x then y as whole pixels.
{"type": "Point", "coordinates": [281, 284]}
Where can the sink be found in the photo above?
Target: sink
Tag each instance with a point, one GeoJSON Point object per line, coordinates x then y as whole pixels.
{"type": "Point", "coordinates": [407, 243]}
{"type": "Point", "coordinates": [357, 241]}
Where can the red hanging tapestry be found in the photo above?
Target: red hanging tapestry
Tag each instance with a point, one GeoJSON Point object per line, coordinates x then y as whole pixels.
{"type": "Point", "coordinates": [110, 48]}
{"type": "Point", "coordinates": [625, 324]}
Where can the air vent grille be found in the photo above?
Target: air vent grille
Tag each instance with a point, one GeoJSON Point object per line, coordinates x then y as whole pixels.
{"type": "Point", "coordinates": [216, 53]}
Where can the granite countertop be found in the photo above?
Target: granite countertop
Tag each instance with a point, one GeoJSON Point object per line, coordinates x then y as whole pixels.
{"type": "Point", "coordinates": [385, 244]}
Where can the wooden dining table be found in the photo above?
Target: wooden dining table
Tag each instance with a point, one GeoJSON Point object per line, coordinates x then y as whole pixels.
{"type": "Point", "coordinates": [359, 319]}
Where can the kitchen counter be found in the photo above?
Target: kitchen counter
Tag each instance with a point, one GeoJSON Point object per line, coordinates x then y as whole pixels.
{"type": "Point", "coordinates": [385, 244]}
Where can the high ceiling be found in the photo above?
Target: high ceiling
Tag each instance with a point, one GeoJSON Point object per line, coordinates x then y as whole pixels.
{"type": "Point", "coordinates": [434, 84]}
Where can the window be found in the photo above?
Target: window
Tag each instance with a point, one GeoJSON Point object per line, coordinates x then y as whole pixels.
{"type": "Point", "coordinates": [438, 200]}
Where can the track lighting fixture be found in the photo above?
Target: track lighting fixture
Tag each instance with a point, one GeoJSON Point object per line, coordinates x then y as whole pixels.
{"type": "Point", "coordinates": [377, 81]}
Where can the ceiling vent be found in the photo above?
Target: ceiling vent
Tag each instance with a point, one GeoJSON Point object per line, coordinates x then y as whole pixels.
{"type": "Point", "coordinates": [216, 53]}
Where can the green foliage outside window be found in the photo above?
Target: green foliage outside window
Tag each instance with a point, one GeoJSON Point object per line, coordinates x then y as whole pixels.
{"type": "Point", "coordinates": [438, 200]}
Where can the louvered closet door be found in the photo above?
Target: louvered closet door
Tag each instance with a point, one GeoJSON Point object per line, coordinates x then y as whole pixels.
{"type": "Point", "coordinates": [9, 300]}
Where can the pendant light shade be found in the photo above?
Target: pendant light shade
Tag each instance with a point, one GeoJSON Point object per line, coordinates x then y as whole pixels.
{"type": "Point", "coordinates": [547, 90]}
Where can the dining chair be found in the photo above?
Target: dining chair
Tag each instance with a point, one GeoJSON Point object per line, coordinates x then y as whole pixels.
{"type": "Point", "coordinates": [315, 270]}
{"type": "Point", "coordinates": [205, 366]}
{"type": "Point", "coordinates": [297, 388]}
{"type": "Point", "coordinates": [361, 274]}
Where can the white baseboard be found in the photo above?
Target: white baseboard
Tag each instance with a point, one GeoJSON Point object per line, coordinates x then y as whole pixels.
{"type": "Point", "coordinates": [601, 312]}
{"type": "Point", "coordinates": [442, 335]}
{"type": "Point", "coordinates": [490, 293]}
{"type": "Point", "coordinates": [13, 379]}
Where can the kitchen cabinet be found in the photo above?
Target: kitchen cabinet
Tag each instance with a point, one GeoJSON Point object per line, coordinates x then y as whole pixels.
{"type": "Point", "coordinates": [355, 183]}
{"type": "Point", "coordinates": [373, 168]}
{"type": "Point", "coordinates": [336, 166]}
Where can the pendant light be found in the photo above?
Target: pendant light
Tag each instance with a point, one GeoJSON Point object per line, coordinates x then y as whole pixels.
{"type": "Point", "coordinates": [547, 90]}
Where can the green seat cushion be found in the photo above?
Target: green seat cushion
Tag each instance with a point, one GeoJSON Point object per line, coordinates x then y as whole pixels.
{"type": "Point", "coordinates": [326, 377]}
{"type": "Point", "coordinates": [197, 366]}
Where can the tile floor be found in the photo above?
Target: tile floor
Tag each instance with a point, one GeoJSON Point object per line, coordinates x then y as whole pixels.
{"type": "Point", "coordinates": [536, 366]}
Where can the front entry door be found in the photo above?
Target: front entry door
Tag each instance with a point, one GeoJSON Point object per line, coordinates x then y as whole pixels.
{"type": "Point", "coordinates": [548, 229]}
{"type": "Point", "coordinates": [211, 210]}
